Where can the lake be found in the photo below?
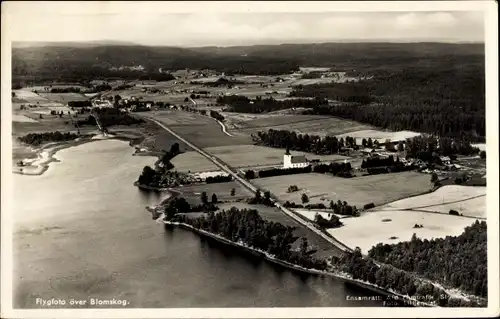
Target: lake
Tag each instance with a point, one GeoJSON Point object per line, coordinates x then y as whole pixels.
{"type": "Point", "coordinates": [81, 231]}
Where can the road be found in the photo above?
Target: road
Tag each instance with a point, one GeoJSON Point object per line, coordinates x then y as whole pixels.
{"type": "Point", "coordinates": [223, 166]}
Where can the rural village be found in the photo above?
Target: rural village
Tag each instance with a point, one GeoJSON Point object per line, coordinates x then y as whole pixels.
{"type": "Point", "coordinates": [229, 144]}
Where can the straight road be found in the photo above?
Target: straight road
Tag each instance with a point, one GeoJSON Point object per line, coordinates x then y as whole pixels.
{"type": "Point", "coordinates": [254, 189]}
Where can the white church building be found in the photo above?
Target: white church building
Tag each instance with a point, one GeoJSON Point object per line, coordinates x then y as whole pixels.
{"type": "Point", "coordinates": [290, 161]}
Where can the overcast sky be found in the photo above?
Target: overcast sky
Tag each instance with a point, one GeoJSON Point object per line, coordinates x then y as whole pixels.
{"type": "Point", "coordinates": [146, 24]}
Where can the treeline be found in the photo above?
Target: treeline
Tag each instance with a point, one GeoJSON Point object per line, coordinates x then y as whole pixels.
{"type": "Point", "coordinates": [336, 169]}
{"type": "Point", "coordinates": [90, 89]}
{"type": "Point", "coordinates": [218, 179]}
{"type": "Point", "coordinates": [442, 101]}
{"type": "Point", "coordinates": [251, 174]}
{"type": "Point", "coordinates": [36, 139]}
{"type": "Point", "coordinates": [109, 117]}
{"type": "Point", "coordinates": [243, 104]}
{"type": "Point", "coordinates": [457, 261]}
{"type": "Point", "coordinates": [324, 223]}
{"type": "Point", "coordinates": [80, 103]}
{"type": "Point", "coordinates": [378, 161]}
{"type": "Point", "coordinates": [248, 227]}
{"type": "Point", "coordinates": [179, 205]}
{"type": "Point", "coordinates": [216, 115]}
{"type": "Point", "coordinates": [156, 77]}
{"type": "Point", "coordinates": [343, 92]}
{"type": "Point", "coordinates": [388, 277]}
{"type": "Point", "coordinates": [305, 143]}
{"type": "Point", "coordinates": [427, 148]}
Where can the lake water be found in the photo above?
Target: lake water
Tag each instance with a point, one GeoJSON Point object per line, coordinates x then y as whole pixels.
{"type": "Point", "coordinates": [81, 231]}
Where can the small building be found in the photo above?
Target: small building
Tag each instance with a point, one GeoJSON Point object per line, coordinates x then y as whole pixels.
{"type": "Point", "coordinates": [290, 161]}
{"type": "Point", "coordinates": [445, 160]}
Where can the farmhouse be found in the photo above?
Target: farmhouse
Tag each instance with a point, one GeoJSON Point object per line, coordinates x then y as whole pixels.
{"type": "Point", "coordinates": [290, 161]}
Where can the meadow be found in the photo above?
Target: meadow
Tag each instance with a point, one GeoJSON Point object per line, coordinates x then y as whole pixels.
{"type": "Point", "coordinates": [358, 191]}
{"type": "Point", "coordinates": [468, 200]}
{"type": "Point", "coordinates": [240, 156]}
{"type": "Point", "coordinates": [391, 227]}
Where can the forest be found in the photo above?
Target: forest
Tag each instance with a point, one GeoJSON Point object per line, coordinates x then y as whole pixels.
{"type": "Point", "coordinates": [459, 262]}
{"type": "Point", "coordinates": [110, 116]}
{"type": "Point", "coordinates": [389, 277]}
{"type": "Point", "coordinates": [305, 143]}
{"type": "Point", "coordinates": [36, 139]}
{"type": "Point", "coordinates": [248, 227]}
{"type": "Point", "coordinates": [242, 104]}
{"type": "Point", "coordinates": [441, 101]}
{"type": "Point", "coordinates": [426, 148]}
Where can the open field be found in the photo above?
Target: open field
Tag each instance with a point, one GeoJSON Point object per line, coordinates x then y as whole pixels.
{"type": "Point", "coordinates": [193, 162]}
{"type": "Point", "coordinates": [323, 248]}
{"type": "Point", "coordinates": [252, 155]}
{"type": "Point", "coordinates": [222, 190]}
{"type": "Point", "coordinates": [377, 189]}
{"type": "Point", "coordinates": [369, 229]}
{"type": "Point", "coordinates": [303, 124]}
{"type": "Point", "coordinates": [64, 98]}
{"type": "Point", "coordinates": [468, 200]}
{"type": "Point", "coordinates": [202, 131]}
{"type": "Point", "coordinates": [474, 207]}
{"type": "Point", "coordinates": [27, 96]}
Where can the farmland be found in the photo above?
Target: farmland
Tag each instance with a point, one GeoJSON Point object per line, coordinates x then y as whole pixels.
{"type": "Point", "coordinates": [391, 227]}
{"type": "Point", "coordinates": [192, 162]}
{"type": "Point", "coordinates": [222, 190]}
{"type": "Point", "coordinates": [202, 131]}
{"type": "Point", "coordinates": [358, 191]}
{"type": "Point", "coordinates": [305, 124]}
{"type": "Point", "coordinates": [468, 200]}
{"type": "Point", "coordinates": [239, 156]}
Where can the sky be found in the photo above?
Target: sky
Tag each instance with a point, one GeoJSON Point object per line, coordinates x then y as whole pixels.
{"type": "Point", "coordinates": [157, 24]}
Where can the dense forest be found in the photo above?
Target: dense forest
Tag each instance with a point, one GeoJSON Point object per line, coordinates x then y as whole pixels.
{"type": "Point", "coordinates": [68, 61]}
{"type": "Point", "coordinates": [427, 148]}
{"type": "Point", "coordinates": [36, 139]}
{"type": "Point", "coordinates": [248, 227]}
{"type": "Point", "coordinates": [110, 116]}
{"type": "Point", "coordinates": [305, 143]}
{"type": "Point", "coordinates": [389, 277]}
{"type": "Point", "coordinates": [441, 101]}
{"type": "Point", "coordinates": [242, 104]}
{"type": "Point", "coordinates": [460, 262]}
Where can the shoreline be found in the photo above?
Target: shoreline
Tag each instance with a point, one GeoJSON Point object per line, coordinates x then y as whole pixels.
{"type": "Point", "coordinates": [44, 155]}
{"type": "Point", "coordinates": [345, 278]}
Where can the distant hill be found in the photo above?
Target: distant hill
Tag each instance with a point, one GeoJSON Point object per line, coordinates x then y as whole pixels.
{"type": "Point", "coordinates": [56, 60]}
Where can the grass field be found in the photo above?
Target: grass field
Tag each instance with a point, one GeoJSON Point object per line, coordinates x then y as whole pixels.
{"type": "Point", "coordinates": [377, 189]}
{"type": "Point", "coordinates": [222, 190]}
{"type": "Point", "coordinates": [64, 98]}
{"type": "Point", "coordinates": [468, 200]}
{"type": "Point", "coordinates": [303, 124]}
{"type": "Point", "coordinates": [323, 248]}
{"type": "Point", "coordinates": [369, 229]}
{"type": "Point", "coordinates": [239, 156]}
{"type": "Point", "coordinates": [193, 162]}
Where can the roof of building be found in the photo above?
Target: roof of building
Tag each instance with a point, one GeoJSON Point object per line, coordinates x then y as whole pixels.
{"type": "Point", "coordinates": [298, 159]}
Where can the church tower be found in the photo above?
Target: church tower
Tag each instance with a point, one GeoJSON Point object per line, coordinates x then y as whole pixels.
{"type": "Point", "coordinates": [287, 158]}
